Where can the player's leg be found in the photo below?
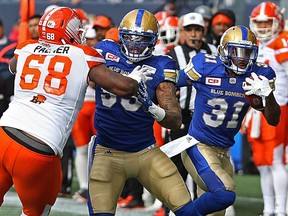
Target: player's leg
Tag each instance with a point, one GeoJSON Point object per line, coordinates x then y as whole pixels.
{"type": "Point", "coordinates": [211, 169]}
{"type": "Point", "coordinates": [280, 180]}
{"type": "Point", "coordinates": [107, 178]}
{"type": "Point", "coordinates": [278, 170]}
{"type": "Point", "coordinates": [159, 175]}
{"type": "Point", "coordinates": [37, 179]}
{"type": "Point", "coordinates": [7, 157]}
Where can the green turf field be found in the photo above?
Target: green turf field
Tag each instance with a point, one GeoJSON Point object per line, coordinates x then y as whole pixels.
{"type": "Point", "coordinates": [248, 202]}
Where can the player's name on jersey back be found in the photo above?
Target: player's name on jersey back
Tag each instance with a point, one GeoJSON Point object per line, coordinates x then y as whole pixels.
{"type": "Point", "coordinates": [59, 50]}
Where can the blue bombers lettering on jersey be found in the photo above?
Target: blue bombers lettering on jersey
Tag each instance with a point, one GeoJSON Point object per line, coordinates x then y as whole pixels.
{"type": "Point", "coordinates": [220, 103]}
{"type": "Point", "coordinates": [121, 122]}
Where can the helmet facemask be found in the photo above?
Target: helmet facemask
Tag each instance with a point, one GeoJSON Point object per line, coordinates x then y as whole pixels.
{"type": "Point", "coordinates": [169, 36]}
{"type": "Point", "coordinates": [137, 46]}
{"type": "Point", "coordinates": [265, 33]}
{"type": "Point", "coordinates": [238, 57]}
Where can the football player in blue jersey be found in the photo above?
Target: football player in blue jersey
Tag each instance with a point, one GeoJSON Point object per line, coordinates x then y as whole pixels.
{"type": "Point", "coordinates": [125, 144]}
{"type": "Point", "coordinates": [220, 106]}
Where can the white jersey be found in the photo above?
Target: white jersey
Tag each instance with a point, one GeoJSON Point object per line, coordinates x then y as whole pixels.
{"type": "Point", "coordinates": [274, 53]}
{"type": "Point", "coordinates": [50, 86]}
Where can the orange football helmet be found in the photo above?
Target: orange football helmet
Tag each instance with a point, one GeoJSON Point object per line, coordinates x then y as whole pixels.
{"type": "Point", "coordinates": [61, 25]}
{"type": "Point", "coordinates": [169, 31]}
{"type": "Point", "coordinates": [263, 12]}
{"type": "Point", "coordinates": [161, 16]}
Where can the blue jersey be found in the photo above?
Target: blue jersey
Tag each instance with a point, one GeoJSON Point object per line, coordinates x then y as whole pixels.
{"type": "Point", "coordinates": [220, 103]}
{"type": "Point", "coordinates": [121, 123]}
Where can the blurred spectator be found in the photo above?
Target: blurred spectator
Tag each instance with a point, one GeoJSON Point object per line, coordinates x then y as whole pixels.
{"type": "Point", "coordinates": [112, 34]}
{"type": "Point", "coordinates": [220, 22]}
{"type": "Point", "coordinates": [181, 30]}
{"type": "Point", "coordinates": [91, 39]}
{"type": "Point", "coordinates": [206, 12]}
{"type": "Point", "coordinates": [7, 48]}
{"type": "Point", "coordinates": [33, 26]}
{"type": "Point", "coordinates": [83, 15]}
{"type": "Point", "coordinates": [102, 24]}
{"type": "Point", "coordinates": [170, 8]}
{"type": "Point", "coordinates": [13, 36]}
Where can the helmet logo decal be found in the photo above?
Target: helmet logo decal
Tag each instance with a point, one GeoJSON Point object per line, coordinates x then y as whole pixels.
{"type": "Point", "coordinates": [51, 24]}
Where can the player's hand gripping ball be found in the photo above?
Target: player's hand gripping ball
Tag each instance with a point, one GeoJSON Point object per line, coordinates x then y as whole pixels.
{"type": "Point", "coordinates": [255, 91]}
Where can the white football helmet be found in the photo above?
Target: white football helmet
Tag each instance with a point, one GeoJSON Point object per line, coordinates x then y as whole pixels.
{"type": "Point", "coordinates": [169, 32]}
{"type": "Point", "coordinates": [266, 11]}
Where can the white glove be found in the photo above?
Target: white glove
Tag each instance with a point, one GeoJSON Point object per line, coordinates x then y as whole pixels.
{"type": "Point", "coordinates": [257, 86]}
{"type": "Point", "coordinates": [139, 73]}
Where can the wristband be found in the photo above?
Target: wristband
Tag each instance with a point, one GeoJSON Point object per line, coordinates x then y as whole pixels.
{"type": "Point", "coordinates": [157, 112]}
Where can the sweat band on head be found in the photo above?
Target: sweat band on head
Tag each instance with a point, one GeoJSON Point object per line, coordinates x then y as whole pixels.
{"type": "Point", "coordinates": [221, 18]}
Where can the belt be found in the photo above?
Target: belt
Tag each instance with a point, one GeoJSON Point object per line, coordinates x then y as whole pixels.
{"type": "Point", "coordinates": [28, 142]}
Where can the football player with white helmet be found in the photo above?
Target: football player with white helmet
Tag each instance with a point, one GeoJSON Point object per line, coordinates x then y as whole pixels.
{"type": "Point", "coordinates": [51, 78]}
{"type": "Point", "coordinates": [268, 143]}
{"type": "Point", "coordinates": [169, 33]}
{"type": "Point", "coordinates": [125, 144]}
{"type": "Point", "coordinates": [219, 111]}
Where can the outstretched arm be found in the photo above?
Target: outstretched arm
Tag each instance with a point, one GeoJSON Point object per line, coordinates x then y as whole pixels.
{"type": "Point", "coordinates": [123, 86]}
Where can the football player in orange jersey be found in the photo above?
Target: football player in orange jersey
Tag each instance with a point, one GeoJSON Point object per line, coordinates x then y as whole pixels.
{"type": "Point", "coordinates": [51, 77]}
{"type": "Point", "coordinates": [267, 142]}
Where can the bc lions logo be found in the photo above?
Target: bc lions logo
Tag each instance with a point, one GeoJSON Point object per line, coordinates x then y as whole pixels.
{"type": "Point", "coordinates": [38, 99]}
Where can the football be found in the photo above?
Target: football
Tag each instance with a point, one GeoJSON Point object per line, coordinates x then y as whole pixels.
{"type": "Point", "coordinates": [255, 101]}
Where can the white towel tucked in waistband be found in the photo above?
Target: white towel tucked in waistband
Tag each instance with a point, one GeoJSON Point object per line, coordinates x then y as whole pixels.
{"type": "Point", "coordinates": [256, 124]}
